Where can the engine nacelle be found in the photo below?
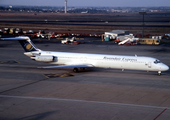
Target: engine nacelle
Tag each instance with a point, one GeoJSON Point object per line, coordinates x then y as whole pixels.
{"type": "Point", "coordinates": [43, 58]}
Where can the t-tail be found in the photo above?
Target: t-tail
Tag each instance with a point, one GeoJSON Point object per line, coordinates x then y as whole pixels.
{"type": "Point", "coordinates": [25, 42]}
{"type": "Point", "coordinates": [28, 45]}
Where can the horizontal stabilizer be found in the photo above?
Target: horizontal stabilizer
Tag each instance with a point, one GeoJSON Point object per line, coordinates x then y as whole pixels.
{"type": "Point", "coordinates": [25, 42]}
{"type": "Point", "coordinates": [16, 38]}
{"type": "Point", "coordinates": [69, 66]}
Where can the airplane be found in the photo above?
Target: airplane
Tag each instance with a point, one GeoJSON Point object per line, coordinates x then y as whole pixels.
{"type": "Point", "coordinates": [85, 12]}
{"type": "Point", "coordinates": [84, 60]}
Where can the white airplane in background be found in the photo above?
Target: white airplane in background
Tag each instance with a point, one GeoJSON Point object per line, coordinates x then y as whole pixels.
{"type": "Point", "coordinates": [83, 60]}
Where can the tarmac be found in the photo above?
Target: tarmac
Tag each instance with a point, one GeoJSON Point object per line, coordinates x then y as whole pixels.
{"type": "Point", "coordinates": [27, 92]}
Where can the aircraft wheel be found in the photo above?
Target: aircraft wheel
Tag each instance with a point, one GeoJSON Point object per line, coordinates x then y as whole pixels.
{"type": "Point", "coordinates": [159, 73]}
{"type": "Point", "coordinates": [75, 70]}
{"type": "Point", "coordinates": [83, 69]}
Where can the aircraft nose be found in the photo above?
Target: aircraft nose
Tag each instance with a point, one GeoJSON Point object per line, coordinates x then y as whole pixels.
{"type": "Point", "coordinates": [164, 68]}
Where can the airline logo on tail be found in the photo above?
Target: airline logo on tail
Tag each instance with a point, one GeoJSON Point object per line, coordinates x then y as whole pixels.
{"type": "Point", "coordinates": [28, 46]}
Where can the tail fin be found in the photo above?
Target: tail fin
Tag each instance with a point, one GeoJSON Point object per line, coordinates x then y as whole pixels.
{"type": "Point", "coordinates": [28, 45]}
{"type": "Point", "coordinates": [25, 42]}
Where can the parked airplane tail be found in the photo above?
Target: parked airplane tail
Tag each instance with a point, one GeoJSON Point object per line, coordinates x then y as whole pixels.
{"type": "Point", "coordinates": [25, 42]}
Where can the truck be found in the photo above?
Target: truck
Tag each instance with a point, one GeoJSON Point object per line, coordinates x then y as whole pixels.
{"type": "Point", "coordinates": [149, 41]}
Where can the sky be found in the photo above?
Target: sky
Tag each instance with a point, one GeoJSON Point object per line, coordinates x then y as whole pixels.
{"type": "Point", "coordinates": [94, 3]}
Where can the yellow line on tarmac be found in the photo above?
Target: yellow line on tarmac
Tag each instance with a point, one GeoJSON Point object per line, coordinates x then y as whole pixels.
{"type": "Point", "coordinates": [58, 75]}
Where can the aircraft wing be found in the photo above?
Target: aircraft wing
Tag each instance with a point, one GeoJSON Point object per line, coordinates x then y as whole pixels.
{"type": "Point", "coordinates": [69, 66]}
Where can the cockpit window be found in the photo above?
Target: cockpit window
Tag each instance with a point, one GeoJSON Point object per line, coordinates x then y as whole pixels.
{"type": "Point", "coordinates": [157, 61]}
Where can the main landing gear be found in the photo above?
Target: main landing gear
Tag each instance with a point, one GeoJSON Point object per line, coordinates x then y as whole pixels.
{"type": "Point", "coordinates": [77, 70]}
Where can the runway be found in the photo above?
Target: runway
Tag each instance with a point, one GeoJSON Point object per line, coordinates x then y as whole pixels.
{"type": "Point", "coordinates": [25, 92]}
{"type": "Point", "coordinates": [92, 23]}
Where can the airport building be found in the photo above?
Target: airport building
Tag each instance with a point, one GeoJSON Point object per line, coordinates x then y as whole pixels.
{"type": "Point", "coordinates": [117, 34]}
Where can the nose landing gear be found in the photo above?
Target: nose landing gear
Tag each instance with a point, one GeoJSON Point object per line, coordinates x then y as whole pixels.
{"type": "Point", "coordinates": [159, 73]}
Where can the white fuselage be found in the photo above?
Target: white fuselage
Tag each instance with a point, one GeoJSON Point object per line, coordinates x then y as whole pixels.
{"type": "Point", "coordinates": [103, 61]}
